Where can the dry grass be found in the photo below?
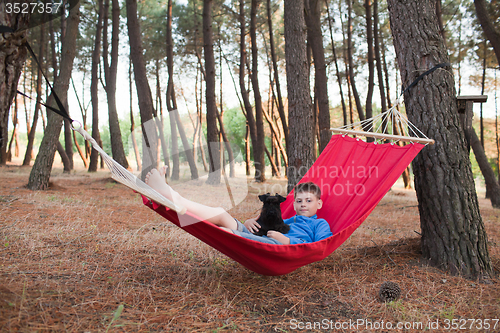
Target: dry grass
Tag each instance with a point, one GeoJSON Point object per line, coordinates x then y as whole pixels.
{"type": "Point", "coordinates": [73, 257]}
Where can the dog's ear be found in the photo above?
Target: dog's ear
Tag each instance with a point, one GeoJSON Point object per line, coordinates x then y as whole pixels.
{"type": "Point", "coordinates": [281, 198]}
{"type": "Point", "coordinates": [263, 197]}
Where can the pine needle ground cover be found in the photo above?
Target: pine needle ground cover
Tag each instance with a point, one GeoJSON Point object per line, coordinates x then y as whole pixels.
{"type": "Point", "coordinates": [87, 256]}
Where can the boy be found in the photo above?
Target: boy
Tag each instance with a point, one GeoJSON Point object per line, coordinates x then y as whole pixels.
{"type": "Point", "coordinates": [305, 227]}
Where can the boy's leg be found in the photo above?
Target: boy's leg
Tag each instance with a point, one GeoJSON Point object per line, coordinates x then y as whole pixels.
{"type": "Point", "coordinates": [215, 215]}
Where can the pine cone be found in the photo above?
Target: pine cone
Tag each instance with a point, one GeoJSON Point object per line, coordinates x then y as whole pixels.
{"type": "Point", "coordinates": [389, 291]}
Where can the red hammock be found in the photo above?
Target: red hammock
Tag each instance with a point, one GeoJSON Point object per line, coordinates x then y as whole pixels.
{"type": "Point", "coordinates": [353, 176]}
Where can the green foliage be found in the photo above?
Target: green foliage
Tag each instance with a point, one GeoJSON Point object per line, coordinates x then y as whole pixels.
{"type": "Point", "coordinates": [235, 125]}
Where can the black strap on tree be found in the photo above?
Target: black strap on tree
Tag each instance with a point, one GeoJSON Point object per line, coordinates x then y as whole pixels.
{"type": "Point", "coordinates": [414, 83]}
{"type": "Point", "coordinates": [62, 110]}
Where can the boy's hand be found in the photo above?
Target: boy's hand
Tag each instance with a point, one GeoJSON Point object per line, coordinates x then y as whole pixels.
{"type": "Point", "coordinates": [278, 236]}
{"type": "Point", "coordinates": [252, 224]}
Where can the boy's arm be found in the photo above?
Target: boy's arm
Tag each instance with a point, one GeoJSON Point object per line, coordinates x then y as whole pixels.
{"type": "Point", "coordinates": [322, 231]}
{"type": "Point", "coordinates": [278, 236]}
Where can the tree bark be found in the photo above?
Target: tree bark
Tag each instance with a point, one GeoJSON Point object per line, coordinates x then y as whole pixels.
{"type": "Point", "coordinates": [149, 134]}
{"type": "Point", "coordinates": [488, 26]}
{"type": "Point", "coordinates": [214, 176]}
{"type": "Point", "coordinates": [453, 235]}
{"type": "Point", "coordinates": [12, 57]}
{"type": "Point", "coordinates": [40, 173]}
{"type": "Point", "coordinates": [259, 145]}
{"type": "Point", "coordinates": [315, 39]}
{"type": "Point", "coordinates": [300, 114]}
{"type": "Point", "coordinates": [94, 84]}
{"type": "Point", "coordinates": [110, 72]}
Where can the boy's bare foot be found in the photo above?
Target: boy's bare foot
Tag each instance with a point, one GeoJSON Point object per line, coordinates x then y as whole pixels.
{"type": "Point", "coordinates": [156, 179]}
{"type": "Point", "coordinates": [163, 170]}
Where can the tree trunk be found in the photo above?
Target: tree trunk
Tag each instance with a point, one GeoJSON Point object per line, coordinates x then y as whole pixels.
{"type": "Point", "coordinates": [380, 74]}
{"type": "Point", "coordinates": [40, 173]}
{"type": "Point", "coordinates": [453, 235]}
{"type": "Point", "coordinates": [110, 73]}
{"type": "Point", "coordinates": [315, 39]}
{"type": "Point", "coordinates": [281, 108]}
{"type": "Point", "coordinates": [132, 122]}
{"type": "Point", "coordinates": [28, 156]}
{"type": "Point", "coordinates": [492, 186]}
{"type": "Point", "coordinates": [259, 146]}
{"type": "Point", "coordinates": [12, 57]}
{"type": "Point", "coordinates": [214, 176]}
{"type": "Point", "coordinates": [337, 71]}
{"type": "Point", "coordinates": [244, 92]}
{"type": "Point", "coordinates": [94, 84]}
{"type": "Point", "coordinates": [371, 69]}
{"type": "Point", "coordinates": [68, 143]}
{"type": "Point", "coordinates": [352, 82]}
{"type": "Point", "coordinates": [171, 101]}
{"type": "Point", "coordinates": [15, 122]}
{"type": "Point", "coordinates": [489, 28]}
{"type": "Point", "coordinates": [300, 114]}
{"type": "Point", "coordinates": [149, 134]}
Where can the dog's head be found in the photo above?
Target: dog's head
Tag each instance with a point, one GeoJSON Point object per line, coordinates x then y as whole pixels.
{"type": "Point", "coordinates": [271, 199]}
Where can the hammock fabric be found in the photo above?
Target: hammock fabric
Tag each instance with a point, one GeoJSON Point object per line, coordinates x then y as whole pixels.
{"type": "Point", "coordinates": [353, 176]}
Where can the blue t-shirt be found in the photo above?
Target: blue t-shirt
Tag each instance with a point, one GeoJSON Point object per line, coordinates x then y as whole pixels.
{"type": "Point", "coordinates": [307, 229]}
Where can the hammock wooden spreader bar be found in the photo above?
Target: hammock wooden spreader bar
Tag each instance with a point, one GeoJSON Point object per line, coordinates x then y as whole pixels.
{"type": "Point", "coordinates": [378, 127]}
{"type": "Point", "coordinates": [383, 136]}
{"type": "Point", "coordinates": [125, 177]}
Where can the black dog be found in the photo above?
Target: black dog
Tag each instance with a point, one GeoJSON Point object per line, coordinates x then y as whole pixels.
{"type": "Point", "coordinates": [270, 215]}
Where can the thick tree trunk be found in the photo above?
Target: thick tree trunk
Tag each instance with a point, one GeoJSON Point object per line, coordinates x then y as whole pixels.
{"type": "Point", "coordinates": [149, 134]}
{"type": "Point", "coordinates": [300, 114]}
{"type": "Point", "coordinates": [453, 235]}
{"type": "Point", "coordinates": [214, 177]}
{"type": "Point", "coordinates": [40, 173]}
{"type": "Point", "coordinates": [12, 57]}
{"type": "Point", "coordinates": [315, 39]}
{"type": "Point", "coordinates": [259, 145]}
{"type": "Point", "coordinates": [488, 26]}
{"type": "Point", "coordinates": [94, 84]}
{"type": "Point", "coordinates": [110, 72]}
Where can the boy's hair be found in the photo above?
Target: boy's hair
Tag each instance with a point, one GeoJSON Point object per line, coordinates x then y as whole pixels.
{"type": "Point", "coordinates": [308, 187]}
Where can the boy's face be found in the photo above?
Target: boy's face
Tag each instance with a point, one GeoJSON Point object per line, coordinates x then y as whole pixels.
{"type": "Point", "coordinates": [306, 204]}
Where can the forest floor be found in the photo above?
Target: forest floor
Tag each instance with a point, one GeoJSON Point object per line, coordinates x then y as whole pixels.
{"type": "Point", "coordinates": [88, 256]}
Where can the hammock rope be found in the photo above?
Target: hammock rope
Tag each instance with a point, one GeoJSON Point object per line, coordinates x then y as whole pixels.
{"type": "Point", "coordinates": [411, 133]}
{"type": "Point", "coordinates": [125, 177]}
